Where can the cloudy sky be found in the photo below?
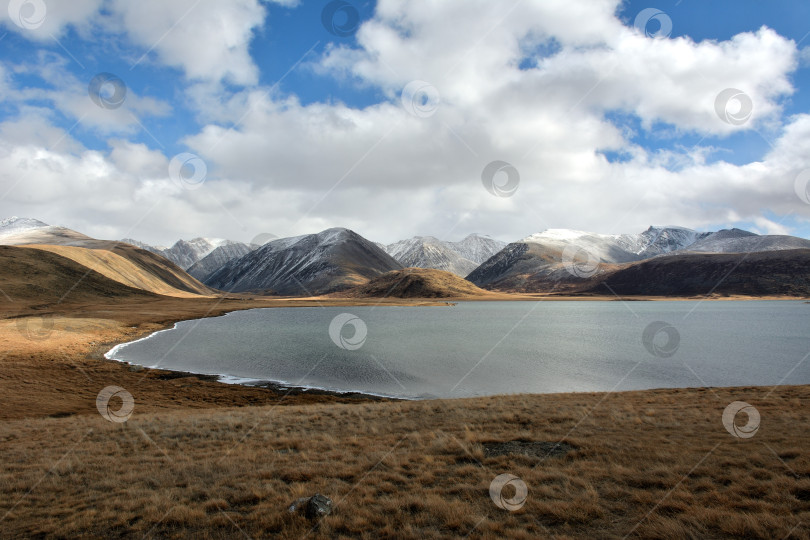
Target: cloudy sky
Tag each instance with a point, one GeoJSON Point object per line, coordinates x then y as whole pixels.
{"type": "Point", "coordinates": [161, 120]}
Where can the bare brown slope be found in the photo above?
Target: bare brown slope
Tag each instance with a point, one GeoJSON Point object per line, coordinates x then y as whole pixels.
{"type": "Point", "coordinates": [132, 266]}
{"type": "Point", "coordinates": [785, 272]}
{"type": "Point", "coordinates": [416, 283]}
{"type": "Point", "coordinates": [30, 277]}
{"type": "Point", "coordinates": [118, 261]}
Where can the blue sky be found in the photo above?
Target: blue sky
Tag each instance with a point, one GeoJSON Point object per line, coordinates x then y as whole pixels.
{"type": "Point", "coordinates": [342, 152]}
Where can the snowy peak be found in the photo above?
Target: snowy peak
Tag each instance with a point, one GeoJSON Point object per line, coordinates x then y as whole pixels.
{"type": "Point", "coordinates": [184, 253]}
{"type": "Point", "coordinates": [560, 235]}
{"type": "Point", "coordinates": [562, 259]}
{"type": "Point", "coordinates": [477, 247]}
{"type": "Point", "coordinates": [335, 235]}
{"type": "Point", "coordinates": [19, 228]}
{"type": "Point", "coordinates": [331, 260]}
{"type": "Point", "coordinates": [401, 248]}
{"type": "Point", "coordinates": [219, 257]}
{"type": "Point", "coordinates": [16, 224]}
{"type": "Point", "coordinates": [658, 240]}
{"type": "Point", "coordinates": [154, 249]}
{"type": "Point", "coordinates": [22, 231]}
{"type": "Point", "coordinates": [460, 258]}
{"type": "Point", "coordinates": [615, 248]}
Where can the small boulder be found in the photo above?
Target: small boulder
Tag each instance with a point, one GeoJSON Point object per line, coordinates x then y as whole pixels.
{"type": "Point", "coordinates": [314, 507]}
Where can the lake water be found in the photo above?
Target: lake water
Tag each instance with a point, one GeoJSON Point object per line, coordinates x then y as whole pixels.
{"type": "Point", "coordinates": [487, 348]}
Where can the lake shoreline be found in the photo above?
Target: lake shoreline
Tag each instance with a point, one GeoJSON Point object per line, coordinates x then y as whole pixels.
{"type": "Point", "coordinates": [225, 371]}
{"type": "Point", "coordinates": [68, 368]}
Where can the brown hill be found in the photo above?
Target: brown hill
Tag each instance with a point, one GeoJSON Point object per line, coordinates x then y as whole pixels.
{"type": "Point", "coordinates": [417, 283]}
{"type": "Point", "coordinates": [131, 266]}
{"type": "Point", "coordinates": [31, 276]}
{"type": "Point", "coordinates": [785, 272]}
{"type": "Point", "coordinates": [119, 261]}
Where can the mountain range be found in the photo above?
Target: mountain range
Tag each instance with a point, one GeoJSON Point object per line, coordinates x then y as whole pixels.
{"type": "Point", "coordinates": [658, 261]}
{"type": "Point", "coordinates": [459, 258]}
{"type": "Point", "coordinates": [562, 260]}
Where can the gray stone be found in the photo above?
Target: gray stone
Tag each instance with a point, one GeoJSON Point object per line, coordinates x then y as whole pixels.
{"type": "Point", "coordinates": [314, 507]}
{"type": "Point", "coordinates": [318, 506]}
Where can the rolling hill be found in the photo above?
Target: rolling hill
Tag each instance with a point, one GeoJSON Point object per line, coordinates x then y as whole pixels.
{"type": "Point", "coordinates": [30, 276]}
{"type": "Point", "coordinates": [416, 283]}
{"type": "Point", "coordinates": [763, 273]}
{"type": "Point", "coordinates": [118, 261]}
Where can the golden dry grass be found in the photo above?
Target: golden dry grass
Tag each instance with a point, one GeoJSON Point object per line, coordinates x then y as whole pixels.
{"type": "Point", "coordinates": [656, 464]}
{"type": "Point", "coordinates": [190, 464]}
{"type": "Point", "coordinates": [117, 263]}
{"type": "Point", "coordinates": [416, 283]}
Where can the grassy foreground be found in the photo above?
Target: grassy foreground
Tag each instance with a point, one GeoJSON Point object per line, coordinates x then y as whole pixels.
{"type": "Point", "coordinates": [655, 464]}
{"type": "Point", "coordinates": [199, 459]}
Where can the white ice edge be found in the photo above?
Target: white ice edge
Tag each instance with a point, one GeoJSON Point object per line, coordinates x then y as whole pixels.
{"type": "Point", "coordinates": [110, 355]}
{"type": "Point", "coordinates": [237, 380]}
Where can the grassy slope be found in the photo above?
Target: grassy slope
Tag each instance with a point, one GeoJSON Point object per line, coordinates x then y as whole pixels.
{"type": "Point", "coordinates": [417, 283]}
{"type": "Point", "coordinates": [655, 464]}
{"type": "Point", "coordinates": [767, 273]}
{"type": "Point", "coordinates": [32, 276]}
{"type": "Point", "coordinates": [133, 267]}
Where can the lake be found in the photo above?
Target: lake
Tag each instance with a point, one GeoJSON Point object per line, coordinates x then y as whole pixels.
{"type": "Point", "coordinates": [488, 348]}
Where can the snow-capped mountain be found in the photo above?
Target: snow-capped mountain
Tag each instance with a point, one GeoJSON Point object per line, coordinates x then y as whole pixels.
{"type": "Point", "coordinates": [429, 252]}
{"type": "Point", "coordinates": [658, 240]}
{"type": "Point", "coordinates": [739, 241]}
{"type": "Point", "coordinates": [561, 257]}
{"type": "Point", "coordinates": [184, 253]}
{"type": "Point", "coordinates": [22, 231]}
{"type": "Point", "coordinates": [618, 248]}
{"type": "Point", "coordinates": [218, 258]}
{"type": "Point", "coordinates": [460, 258]}
{"type": "Point", "coordinates": [477, 247]}
{"type": "Point", "coordinates": [331, 260]}
{"type": "Point", "coordinates": [16, 225]}
{"type": "Point", "coordinates": [158, 250]}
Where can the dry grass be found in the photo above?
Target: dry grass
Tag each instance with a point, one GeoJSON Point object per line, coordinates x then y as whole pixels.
{"type": "Point", "coordinates": [114, 264]}
{"type": "Point", "coordinates": [655, 464]}
{"type": "Point", "coordinates": [416, 283]}
{"type": "Point", "coordinates": [190, 464]}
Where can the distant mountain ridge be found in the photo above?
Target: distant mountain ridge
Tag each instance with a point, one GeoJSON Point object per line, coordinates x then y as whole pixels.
{"type": "Point", "coordinates": [460, 258]}
{"type": "Point", "coordinates": [657, 261]}
{"type": "Point", "coordinates": [329, 261]}
{"type": "Point", "coordinates": [563, 260]}
{"type": "Point", "coordinates": [184, 253]}
{"type": "Point", "coordinates": [218, 258]}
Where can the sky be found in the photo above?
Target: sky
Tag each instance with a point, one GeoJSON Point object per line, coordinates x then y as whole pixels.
{"type": "Point", "coordinates": [160, 120]}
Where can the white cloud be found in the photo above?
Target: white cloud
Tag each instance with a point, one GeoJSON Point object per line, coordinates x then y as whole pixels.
{"type": "Point", "coordinates": [44, 20]}
{"type": "Point", "coordinates": [278, 166]}
{"type": "Point", "coordinates": [70, 96]}
{"type": "Point", "coordinates": [207, 39]}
